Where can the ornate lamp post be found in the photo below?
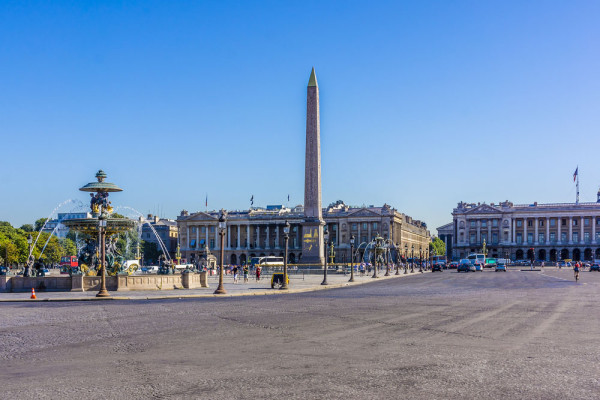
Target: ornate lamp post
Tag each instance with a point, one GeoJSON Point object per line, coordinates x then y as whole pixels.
{"type": "Point", "coordinates": [286, 237]}
{"type": "Point", "coordinates": [222, 228]}
{"type": "Point", "coordinates": [387, 265]}
{"type": "Point", "coordinates": [420, 260]}
{"type": "Point", "coordinates": [375, 256]}
{"type": "Point", "coordinates": [397, 260]}
{"type": "Point", "coordinates": [102, 231]}
{"type": "Point", "coordinates": [351, 259]}
{"type": "Point", "coordinates": [405, 258]}
{"type": "Point", "coordinates": [326, 238]}
{"type": "Point", "coordinates": [412, 259]}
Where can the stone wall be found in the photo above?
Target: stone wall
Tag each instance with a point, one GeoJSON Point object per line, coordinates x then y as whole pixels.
{"type": "Point", "coordinates": [113, 283]}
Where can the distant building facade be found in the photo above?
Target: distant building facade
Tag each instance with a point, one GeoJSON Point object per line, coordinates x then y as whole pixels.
{"type": "Point", "coordinates": [166, 229]}
{"type": "Point", "coordinates": [545, 232]}
{"type": "Point", "coordinates": [445, 233]}
{"type": "Point", "coordinates": [259, 231]}
{"type": "Point", "coordinates": [55, 225]}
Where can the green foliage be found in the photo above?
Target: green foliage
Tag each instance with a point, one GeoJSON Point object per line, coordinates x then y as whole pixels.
{"type": "Point", "coordinates": [151, 252]}
{"type": "Point", "coordinates": [14, 247]}
{"type": "Point", "coordinates": [9, 251]}
{"type": "Point", "coordinates": [27, 228]}
{"type": "Point", "coordinates": [39, 223]}
{"type": "Point", "coordinates": [437, 247]}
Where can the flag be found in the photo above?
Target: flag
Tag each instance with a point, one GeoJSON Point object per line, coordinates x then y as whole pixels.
{"type": "Point", "coordinates": [252, 200]}
{"type": "Point", "coordinates": [575, 174]}
{"type": "Point", "coordinates": [288, 197]}
{"type": "Point", "coordinates": [206, 201]}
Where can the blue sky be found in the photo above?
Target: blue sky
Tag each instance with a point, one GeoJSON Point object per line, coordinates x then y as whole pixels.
{"type": "Point", "coordinates": [423, 104]}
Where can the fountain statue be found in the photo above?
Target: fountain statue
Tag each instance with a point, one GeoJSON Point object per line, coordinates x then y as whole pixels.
{"type": "Point", "coordinates": [100, 224]}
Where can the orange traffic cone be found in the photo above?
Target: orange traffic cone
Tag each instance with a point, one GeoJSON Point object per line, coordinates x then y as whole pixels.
{"type": "Point", "coordinates": [33, 294]}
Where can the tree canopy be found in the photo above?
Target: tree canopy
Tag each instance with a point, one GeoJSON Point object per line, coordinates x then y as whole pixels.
{"type": "Point", "coordinates": [437, 247]}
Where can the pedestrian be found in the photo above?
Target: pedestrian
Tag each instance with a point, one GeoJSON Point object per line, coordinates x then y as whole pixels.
{"type": "Point", "coordinates": [245, 273]}
{"type": "Point", "coordinates": [235, 274]}
{"type": "Point", "coordinates": [258, 273]}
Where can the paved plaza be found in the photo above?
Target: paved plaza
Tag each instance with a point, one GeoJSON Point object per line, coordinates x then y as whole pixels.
{"type": "Point", "coordinates": [484, 335]}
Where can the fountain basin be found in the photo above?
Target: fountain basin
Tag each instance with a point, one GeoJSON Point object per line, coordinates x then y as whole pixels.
{"type": "Point", "coordinates": [90, 225]}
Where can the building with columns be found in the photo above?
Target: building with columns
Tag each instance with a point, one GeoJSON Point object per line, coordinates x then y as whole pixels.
{"type": "Point", "coordinates": [259, 231]}
{"type": "Point", "coordinates": [545, 232]}
{"type": "Point", "coordinates": [445, 233]}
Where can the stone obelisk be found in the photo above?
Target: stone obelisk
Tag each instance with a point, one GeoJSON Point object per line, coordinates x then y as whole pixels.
{"type": "Point", "coordinates": [312, 228]}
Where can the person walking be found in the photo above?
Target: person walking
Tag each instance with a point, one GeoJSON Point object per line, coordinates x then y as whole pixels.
{"type": "Point", "coordinates": [245, 268]}
{"type": "Point", "coordinates": [258, 273]}
{"type": "Point", "coordinates": [576, 271]}
{"type": "Point", "coordinates": [235, 274]}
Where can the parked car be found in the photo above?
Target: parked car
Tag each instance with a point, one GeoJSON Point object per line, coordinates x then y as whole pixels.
{"type": "Point", "coordinates": [564, 264]}
{"type": "Point", "coordinates": [453, 265]}
{"type": "Point", "coordinates": [436, 267]}
{"type": "Point", "coordinates": [595, 267]}
{"type": "Point", "coordinates": [500, 267]}
{"type": "Point", "coordinates": [465, 265]}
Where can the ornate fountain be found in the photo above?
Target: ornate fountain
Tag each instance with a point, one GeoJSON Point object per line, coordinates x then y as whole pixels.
{"type": "Point", "coordinates": [98, 229]}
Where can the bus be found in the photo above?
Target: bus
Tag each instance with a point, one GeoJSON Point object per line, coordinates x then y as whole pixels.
{"type": "Point", "coordinates": [441, 260]}
{"type": "Point", "coordinates": [477, 259]}
{"type": "Point", "coordinates": [69, 261]}
{"type": "Point", "coordinates": [269, 261]}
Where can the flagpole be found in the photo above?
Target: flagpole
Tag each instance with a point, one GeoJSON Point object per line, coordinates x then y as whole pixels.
{"type": "Point", "coordinates": [577, 199]}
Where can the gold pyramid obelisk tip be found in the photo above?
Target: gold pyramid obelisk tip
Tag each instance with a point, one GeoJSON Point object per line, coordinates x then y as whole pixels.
{"type": "Point", "coordinates": [313, 78]}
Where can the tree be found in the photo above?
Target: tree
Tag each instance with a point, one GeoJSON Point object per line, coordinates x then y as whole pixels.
{"type": "Point", "coordinates": [9, 252]}
{"type": "Point", "coordinates": [27, 227]}
{"type": "Point", "coordinates": [69, 247]}
{"type": "Point", "coordinates": [437, 247]}
{"type": "Point", "coordinates": [150, 250]}
{"type": "Point", "coordinates": [39, 223]}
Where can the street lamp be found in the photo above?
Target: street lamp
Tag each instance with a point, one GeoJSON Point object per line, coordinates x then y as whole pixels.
{"type": "Point", "coordinates": [387, 265]}
{"type": "Point", "coordinates": [351, 259]}
{"type": "Point", "coordinates": [222, 228]}
{"type": "Point", "coordinates": [326, 238]}
{"type": "Point", "coordinates": [286, 237]}
{"type": "Point", "coordinates": [376, 250]}
{"type": "Point", "coordinates": [102, 230]}
{"type": "Point", "coordinates": [412, 259]}
{"type": "Point", "coordinates": [406, 258]}
{"type": "Point", "coordinates": [397, 259]}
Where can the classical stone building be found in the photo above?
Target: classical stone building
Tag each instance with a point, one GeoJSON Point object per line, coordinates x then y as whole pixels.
{"type": "Point", "coordinates": [165, 228]}
{"type": "Point", "coordinates": [259, 231]}
{"type": "Point", "coordinates": [547, 232]}
{"type": "Point", "coordinates": [446, 233]}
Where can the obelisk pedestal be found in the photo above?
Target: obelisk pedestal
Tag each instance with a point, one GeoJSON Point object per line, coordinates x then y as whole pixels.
{"type": "Point", "coordinates": [312, 227]}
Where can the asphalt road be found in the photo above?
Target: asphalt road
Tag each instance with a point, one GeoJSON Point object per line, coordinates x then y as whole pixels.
{"type": "Point", "coordinates": [482, 335]}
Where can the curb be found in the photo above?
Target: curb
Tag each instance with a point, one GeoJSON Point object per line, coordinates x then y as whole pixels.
{"type": "Point", "coordinates": [272, 292]}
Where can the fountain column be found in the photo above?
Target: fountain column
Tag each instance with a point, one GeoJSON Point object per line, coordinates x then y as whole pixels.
{"type": "Point", "coordinates": [206, 242]}
{"type": "Point", "coordinates": [248, 236]}
{"type": "Point", "coordinates": [197, 237]}
{"type": "Point", "coordinates": [239, 238]}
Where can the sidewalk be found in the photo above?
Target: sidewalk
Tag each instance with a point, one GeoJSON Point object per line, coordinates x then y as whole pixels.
{"type": "Point", "coordinates": [298, 284]}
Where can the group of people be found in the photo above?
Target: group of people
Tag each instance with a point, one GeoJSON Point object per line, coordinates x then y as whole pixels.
{"type": "Point", "coordinates": [244, 269]}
